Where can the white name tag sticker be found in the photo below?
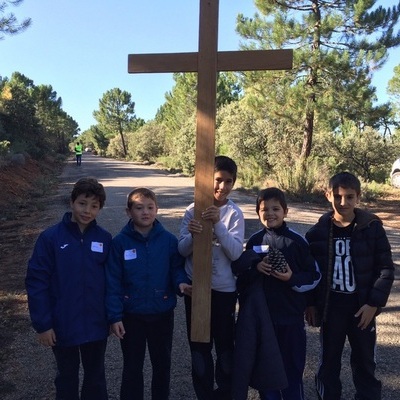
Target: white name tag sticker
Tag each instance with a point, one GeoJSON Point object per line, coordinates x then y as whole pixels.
{"type": "Point", "coordinates": [261, 249]}
{"type": "Point", "coordinates": [97, 247]}
{"type": "Point", "coordinates": [130, 254]}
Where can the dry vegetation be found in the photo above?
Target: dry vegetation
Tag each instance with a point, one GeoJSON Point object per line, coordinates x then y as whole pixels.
{"type": "Point", "coordinates": [25, 192]}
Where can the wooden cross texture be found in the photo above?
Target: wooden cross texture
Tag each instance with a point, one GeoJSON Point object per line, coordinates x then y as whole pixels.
{"type": "Point", "coordinates": [207, 62]}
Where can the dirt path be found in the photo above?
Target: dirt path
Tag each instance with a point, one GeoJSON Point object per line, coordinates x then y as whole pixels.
{"type": "Point", "coordinates": [32, 370]}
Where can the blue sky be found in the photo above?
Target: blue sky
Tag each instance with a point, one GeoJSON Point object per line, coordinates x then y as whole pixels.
{"type": "Point", "coordinates": [81, 47]}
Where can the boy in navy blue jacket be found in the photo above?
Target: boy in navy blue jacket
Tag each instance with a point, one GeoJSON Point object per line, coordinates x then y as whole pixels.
{"type": "Point", "coordinates": [144, 274]}
{"type": "Point", "coordinates": [65, 283]}
{"type": "Point", "coordinates": [287, 270]}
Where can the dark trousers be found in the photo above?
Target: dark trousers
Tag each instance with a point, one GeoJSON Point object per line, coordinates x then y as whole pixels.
{"type": "Point", "coordinates": [78, 159]}
{"type": "Point", "coordinates": [67, 379]}
{"type": "Point", "coordinates": [222, 337]}
{"type": "Point", "coordinates": [341, 323]}
{"type": "Point", "coordinates": [155, 330]}
{"type": "Point", "coordinates": [292, 344]}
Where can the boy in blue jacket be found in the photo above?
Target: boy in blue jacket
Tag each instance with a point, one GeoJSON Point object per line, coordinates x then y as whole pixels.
{"type": "Point", "coordinates": [144, 274]}
{"type": "Point", "coordinates": [283, 261]}
{"type": "Point", "coordinates": [65, 283]}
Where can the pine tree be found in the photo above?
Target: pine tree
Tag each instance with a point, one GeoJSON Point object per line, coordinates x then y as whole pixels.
{"type": "Point", "coordinates": [338, 45]}
{"type": "Point", "coordinates": [116, 113]}
{"type": "Point", "coordinates": [394, 92]}
{"type": "Point", "coordinates": [9, 24]}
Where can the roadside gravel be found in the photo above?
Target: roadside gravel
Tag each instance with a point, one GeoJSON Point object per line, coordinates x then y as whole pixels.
{"type": "Point", "coordinates": [32, 370]}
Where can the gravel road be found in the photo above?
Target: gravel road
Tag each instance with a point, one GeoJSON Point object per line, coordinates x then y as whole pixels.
{"type": "Point", "coordinates": [35, 364]}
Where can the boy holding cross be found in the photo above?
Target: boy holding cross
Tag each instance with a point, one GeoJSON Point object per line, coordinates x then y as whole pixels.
{"type": "Point", "coordinates": [228, 237]}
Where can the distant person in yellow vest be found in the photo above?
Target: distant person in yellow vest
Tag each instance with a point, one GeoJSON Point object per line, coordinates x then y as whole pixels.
{"type": "Point", "coordinates": [78, 153]}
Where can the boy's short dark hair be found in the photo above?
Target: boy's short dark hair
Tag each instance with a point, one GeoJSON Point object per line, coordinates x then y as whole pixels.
{"type": "Point", "coordinates": [271, 193]}
{"type": "Point", "coordinates": [89, 187]}
{"type": "Point", "coordinates": [345, 180]}
{"type": "Point", "coordinates": [224, 163]}
{"type": "Point", "coordinates": [145, 192]}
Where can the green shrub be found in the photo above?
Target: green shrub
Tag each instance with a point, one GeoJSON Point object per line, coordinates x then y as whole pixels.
{"type": "Point", "coordinates": [304, 180]}
{"type": "Point", "coordinates": [371, 191]}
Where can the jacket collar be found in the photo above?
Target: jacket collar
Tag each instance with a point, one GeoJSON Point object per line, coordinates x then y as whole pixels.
{"type": "Point", "coordinates": [73, 226]}
{"type": "Point", "coordinates": [363, 218]}
{"type": "Point", "coordinates": [278, 231]}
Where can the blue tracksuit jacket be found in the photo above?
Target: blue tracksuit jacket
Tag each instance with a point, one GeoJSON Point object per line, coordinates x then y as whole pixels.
{"type": "Point", "coordinates": [65, 282]}
{"type": "Point", "coordinates": [286, 300]}
{"type": "Point", "coordinates": [143, 273]}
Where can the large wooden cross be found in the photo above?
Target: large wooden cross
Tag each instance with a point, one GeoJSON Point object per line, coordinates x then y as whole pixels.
{"type": "Point", "coordinates": [207, 62]}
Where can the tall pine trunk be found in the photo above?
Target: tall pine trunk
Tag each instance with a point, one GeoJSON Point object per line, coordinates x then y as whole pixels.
{"type": "Point", "coordinates": [312, 82]}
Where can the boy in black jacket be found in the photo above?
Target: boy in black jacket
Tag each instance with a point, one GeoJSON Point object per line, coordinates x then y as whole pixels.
{"type": "Point", "coordinates": [354, 255]}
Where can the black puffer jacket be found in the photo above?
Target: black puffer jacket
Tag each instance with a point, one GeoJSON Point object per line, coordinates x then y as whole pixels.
{"type": "Point", "coordinates": [371, 257]}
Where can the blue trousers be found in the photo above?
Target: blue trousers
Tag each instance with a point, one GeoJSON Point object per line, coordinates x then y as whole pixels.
{"type": "Point", "coordinates": [156, 331]}
{"type": "Point", "coordinates": [67, 379]}
{"type": "Point", "coordinates": [292, 344]}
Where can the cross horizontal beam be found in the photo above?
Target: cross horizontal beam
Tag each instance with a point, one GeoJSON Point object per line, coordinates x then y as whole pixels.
{"type": "Point", "coordinates": [248, 60]}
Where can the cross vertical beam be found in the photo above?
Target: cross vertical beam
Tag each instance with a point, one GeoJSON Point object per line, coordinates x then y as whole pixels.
{"type": "Point", "coordinates": [204, 168]}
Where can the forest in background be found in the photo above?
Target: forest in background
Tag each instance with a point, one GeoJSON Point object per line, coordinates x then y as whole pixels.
{"type": "Point", "coordinates": [287, 128]}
